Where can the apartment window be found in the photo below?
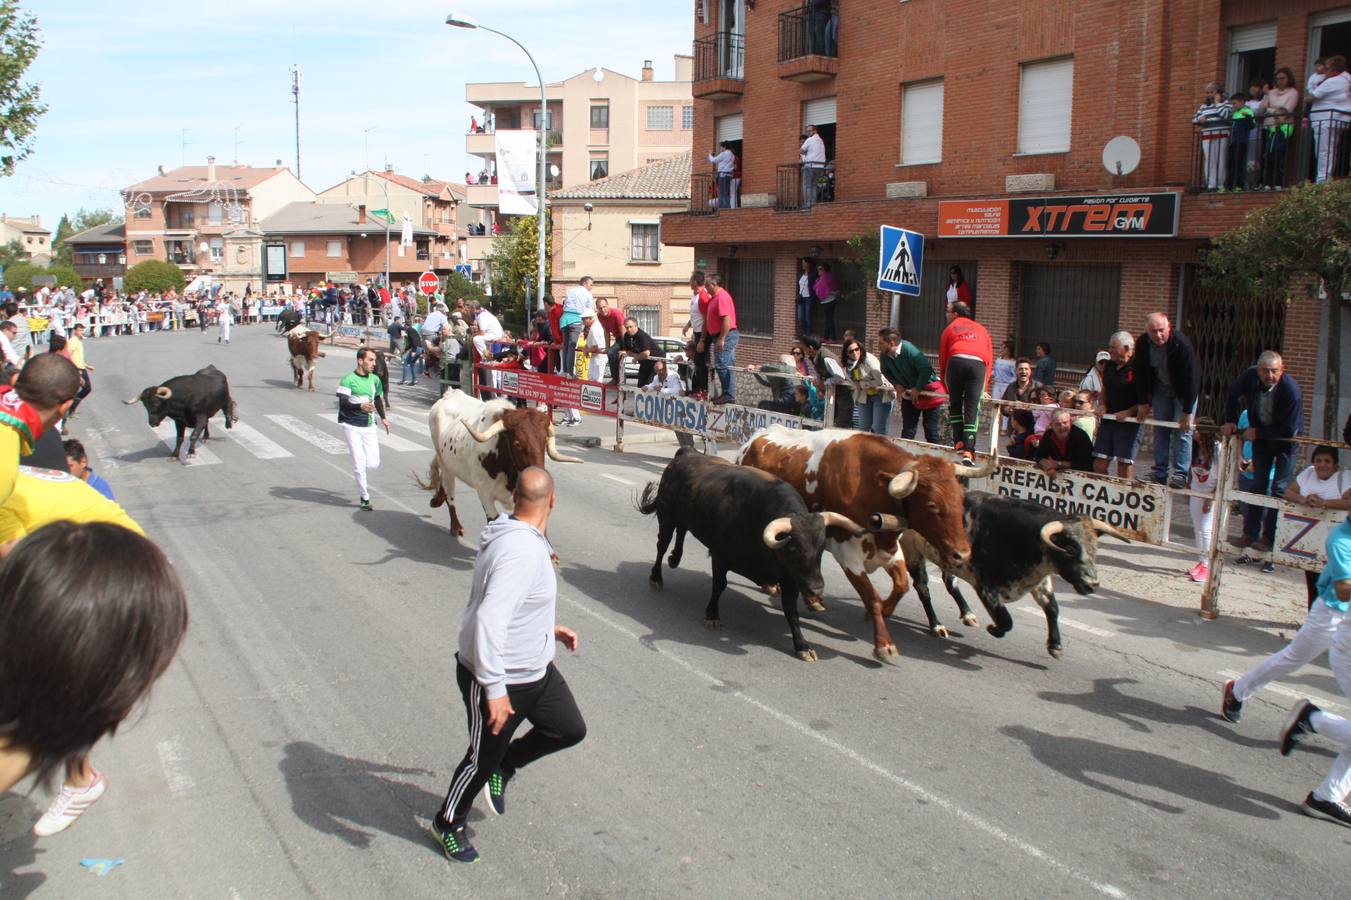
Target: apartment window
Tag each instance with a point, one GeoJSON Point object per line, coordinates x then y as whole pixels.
{"type": "Point", "coordinates": [217, 245]}
{"type": "Point", "coordinates": [215, 215]}
{"type": "Point", "coordinates": [660, 118]}
{"type": "Point", "coordinates": [297, 249]}
{"type": "Point", "coordinates": [143, 248]}
{"type": "Point", "coordinates": [600, 115]}
{"type": "Point", "coordinates": [686, 118]}
{"type": "Point", "coordinates": [335, 248]}
{"type": "Point", "coordinates": [143, 212]}
{"type": "Point", "coordinates": [600, 165]}
{"type": "Point", "coordinates": [548, 121]}
{"type": "Point", "coordinates": [922, 122]}
{"type": "Point", "coordinates": [186, 217]}
{"type": "Point", "coordinates": [1044, 104]}
{"type": "Point", "coordinates": [644, 242]}
{"type": "Point", "coordinates": [648, 317]}
{"type": "Point", "coordinates": [1252, 55]}
{"type": "Point", "coordinates": [751, 284]}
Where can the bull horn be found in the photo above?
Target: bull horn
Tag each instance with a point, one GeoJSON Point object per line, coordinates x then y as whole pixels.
{"type": "Point", "coordinates": [551, 448]}
{"type": "Point", "coordinates": [903, 484]}
{"type": "Point", "coordinates": [776, 533]}
{"type": "Point", "coordinates": [163, 392]}
{"type": "Point", "coordinates": [133, 401]}
{"type": "Point", "coordinates": [883, 522]}
{"type": "Point", "coordinates": [1102, 527]}
{"type": "Point", "coordinates": [484, 437]}
{"type": "Point", "coordinates": [1049, 531]}
{"type": "Point", "coordinates": [835, 520]}
{"type": "Point", "coordinates": [984, 470]}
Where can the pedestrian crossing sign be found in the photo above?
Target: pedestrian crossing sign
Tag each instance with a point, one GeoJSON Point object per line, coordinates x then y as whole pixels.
{"type": "Point", "coordinates": [900, 261]}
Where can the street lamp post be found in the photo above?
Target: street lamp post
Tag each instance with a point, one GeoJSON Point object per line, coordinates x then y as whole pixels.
{"type": "Point", "coordinates": [460, 21]}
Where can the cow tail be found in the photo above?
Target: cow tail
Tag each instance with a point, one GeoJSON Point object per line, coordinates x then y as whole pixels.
{"type": "Point", "coordinates": [646, 503]}
{"type": "Point", "coordinates": [433, 482]}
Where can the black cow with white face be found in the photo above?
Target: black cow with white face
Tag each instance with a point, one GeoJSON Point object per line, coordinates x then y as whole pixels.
{"type": "Point", "coordinates": [1016, 546]}
{"type": "Point", "coordinates": [190, 401]}
{"type": "Point", "coordinates": [752, 523]}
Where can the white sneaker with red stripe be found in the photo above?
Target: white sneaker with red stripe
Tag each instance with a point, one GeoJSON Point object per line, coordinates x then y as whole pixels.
{"type": "Point", "coordinates": [68, 805]}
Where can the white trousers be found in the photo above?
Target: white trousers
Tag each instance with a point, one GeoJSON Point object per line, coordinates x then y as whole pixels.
{"type": "Point", "coordinates": [225, 328]}
{"type": "Point", "coordinates": [364, 445]}
{"type": "Point", "coordinates": [1313, 639]}
{"type": "Point", "coordinates": [1333, 727]}
{"type": "Point", "coordinates": [1215, 160]}
{"type": "Point", "coordinates": [1202, 520]}
{"type": "Point", "coordinates": [1329, 130]}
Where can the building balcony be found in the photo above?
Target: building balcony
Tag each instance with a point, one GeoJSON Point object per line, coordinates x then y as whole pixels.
{"type": "Point", "coordinates": [91, 271]}
{"type": "Point", "coordinates": [481, 195]}
{"type": "Point", "coordinates": [720, 66]}
{"type": "Point", "coordinates": [481, 143]}
{"type": "Point", "coordinates": [802, 186]}
{"type": "Point", "coordinates": [808, 44]}
{"type": "Point", "coordinates": [479, 247]}
{"type": "Point", "coordinates": [1270, 154]}
{"type": "Point", "coordinates": [183, 258]}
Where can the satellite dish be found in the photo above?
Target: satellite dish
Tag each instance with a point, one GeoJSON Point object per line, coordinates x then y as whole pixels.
{"type": "Point", "coordinates": [1121, 155]}
{"type": "Point", "coordinates": [553, 170]}
{"type": "Point", "coordinates": [598, 75]}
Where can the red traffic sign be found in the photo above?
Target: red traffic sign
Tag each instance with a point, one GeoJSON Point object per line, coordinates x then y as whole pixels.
{"type": "Point", "coordinates": [429, 284]}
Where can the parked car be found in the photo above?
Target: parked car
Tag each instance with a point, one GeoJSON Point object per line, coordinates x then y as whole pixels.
{"type": "Point", "coordinates": [673, 347]}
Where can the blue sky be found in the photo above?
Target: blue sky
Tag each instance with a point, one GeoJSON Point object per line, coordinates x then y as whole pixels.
{"type": "Point", "coordinates": [123, 80]}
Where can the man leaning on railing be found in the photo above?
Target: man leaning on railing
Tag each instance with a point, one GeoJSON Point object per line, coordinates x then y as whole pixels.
{"type": "Point", "coordinates": [1275, 407]}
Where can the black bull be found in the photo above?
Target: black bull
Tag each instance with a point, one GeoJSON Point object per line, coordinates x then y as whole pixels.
{"type": "Point", "coordinates": [752, 523]}
{"type": "Point", "coordinates": [190, 401]}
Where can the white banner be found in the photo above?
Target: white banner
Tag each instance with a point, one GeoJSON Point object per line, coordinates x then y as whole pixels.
{"type": "Point", "coordinates": [516, 161]}
{"type": "Point", "coordinates": [730, 422]}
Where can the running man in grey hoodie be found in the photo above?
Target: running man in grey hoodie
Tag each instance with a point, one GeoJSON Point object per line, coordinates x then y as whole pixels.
{"type": "Point", "coordinates": [506, 672]}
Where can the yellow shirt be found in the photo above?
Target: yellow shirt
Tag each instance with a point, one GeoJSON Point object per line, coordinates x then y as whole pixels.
{"type": "Point", "coordinates": [43, 496]}
{"type": "Point", "coordinates": [75, 346]}
{"type": "Point", "coordinates": [9, 461]}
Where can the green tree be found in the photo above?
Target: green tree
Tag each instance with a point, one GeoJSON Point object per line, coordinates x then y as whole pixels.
{"type": "Point", "coordinates": [12, 253]}
{"type": "Point", "coordinates": [514, 259]}
{"type": "Point", "coordinates": [83, 220]}
{"type": "Point", "coordinates": [455, 286]}
{"type": "Point", "coordinates": [66, 276]}
{"type": "Point", "coordinates": [19, 276]}
{"type": "Point", "coordinates": [1302, 243]}
{"type": "Point", "coordinates": [20, 103]}
{"type": "Point", "coordinates": [155, 276]}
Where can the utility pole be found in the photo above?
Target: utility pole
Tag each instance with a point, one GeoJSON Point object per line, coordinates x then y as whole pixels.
{"type": "Point", "coordinates": [183, 150]}
{"type": "Point", "coordinates": [237, 127]}
{"type": "Point", "coordinates": [295, 98]}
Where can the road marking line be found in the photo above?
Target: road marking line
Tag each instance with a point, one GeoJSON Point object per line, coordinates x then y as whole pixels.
{"type": "Point", "coordinates": [616, 478]}
{"type": "Point", "coordinates": [1068, 623]}
{"type": "Point", "coordinates": [168, 435]}
{"type": "Point", "coordinates": [172, 760]}
{"type": "Point", "coordinates": [418, 425]}
{"type": "Point", "coordinates": [378, 493]}
{"type": "Point", "coordinates": [849, 753]}
{"type": "Point", "coordinates": [391, 441]}
{"type": "Point", "coordinates": [1287, 692]}
{"type": "Point", "coordinates": [307, 432]}
{"type": "Point", "coordinates": [254, 441]}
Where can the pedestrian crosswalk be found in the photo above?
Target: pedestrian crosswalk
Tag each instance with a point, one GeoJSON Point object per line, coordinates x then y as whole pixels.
{"type": "Point", "coordinates": [273, 436]}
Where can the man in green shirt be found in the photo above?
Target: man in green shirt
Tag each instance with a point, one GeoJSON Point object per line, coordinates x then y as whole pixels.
{"type": "Point", "coordinates": [906, 366]}
{"type": "Point", "coordinates": [360, 402]}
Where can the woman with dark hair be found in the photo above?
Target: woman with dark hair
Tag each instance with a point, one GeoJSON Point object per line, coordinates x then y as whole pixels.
{"type": "Point", "coordinates": [958, 290]}
{"type": "Point", "coordinates": [830, 372]}
{"type": "Point", "coordinates": [1275, 115]}
{"type": "Point", "coordinates": [873, 395]}
{"type": "Point", "coordinates": [80, 647]}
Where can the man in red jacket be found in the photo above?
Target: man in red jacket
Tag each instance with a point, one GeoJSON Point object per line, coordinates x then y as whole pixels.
{"type": "Point", "coordinates": [965, 356]}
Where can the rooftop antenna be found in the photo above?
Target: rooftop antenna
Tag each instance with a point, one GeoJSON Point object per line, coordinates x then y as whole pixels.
{"type": "Point", "coordinates": [237, 141]}
{"type": "Point", "coordinates": [295, 98]}
{"type": "Point", "coordinates": [184, 147]}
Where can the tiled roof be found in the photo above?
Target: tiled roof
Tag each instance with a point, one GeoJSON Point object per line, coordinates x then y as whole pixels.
{"type": "Point", "coordinates": [427, 188]}
{"type": "Point", "coordinates": [109, 233]}
{"type": "Point", "coordinates": [185, 178]}
{"type": "Point", "coordinates": [327, 218]}
{"type": "Point", "coordinates": [667, 179]}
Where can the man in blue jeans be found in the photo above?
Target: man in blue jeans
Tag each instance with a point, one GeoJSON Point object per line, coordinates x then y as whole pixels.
{"type": "Point", "coordinates": [1169, 380]}
{"type": "Point", "coordinates": [1275, 408]}
{"type": "Point", "coordinates": [720, 325]}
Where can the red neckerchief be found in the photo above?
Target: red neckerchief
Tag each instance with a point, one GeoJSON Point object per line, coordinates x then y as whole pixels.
{"type": "Point", "coordinates": [22, 418]}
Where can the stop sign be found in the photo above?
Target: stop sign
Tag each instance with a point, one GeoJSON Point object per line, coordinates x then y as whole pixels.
{"type": "Point", "coordinates": [429, 284]}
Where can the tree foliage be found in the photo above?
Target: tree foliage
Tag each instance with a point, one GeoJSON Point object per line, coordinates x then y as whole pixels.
{"type": "Point", "coordinates": [514, 258]}
{"type": "Point", "coordinates": [1301, 244]}
{"type": "Point", "coordinates": [83, 220]}
{"type": "Point", "coordinates": [20, 103]}
{"type": "Point", "coordinates": [66, 276]}
{"type": "Point", "coordinates": [19, 275]}
{"type": "Point", "coordinates": [12, 253]}
{"type": "Point", "coordinates": [155, 276]}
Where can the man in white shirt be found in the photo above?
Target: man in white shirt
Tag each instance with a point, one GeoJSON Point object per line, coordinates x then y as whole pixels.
{"type": "Point", "coordinates": [486, 330]}
{"type": "Point", "coordinates": [724, 163]}
{"type": "Point", "coordinates": [225, 316]}
{"type": "Point", "coordinates": [7, 333]}
{"type": "Point", "coordinates": [813, 154]}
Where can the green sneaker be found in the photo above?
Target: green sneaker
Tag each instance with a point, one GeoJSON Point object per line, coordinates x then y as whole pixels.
{"type": "Point", "coordinates": [494, 792]}
{"type": "Point", "coordinates": [365, 504]}
{"type": "Point", "coordinates": [454, 843]}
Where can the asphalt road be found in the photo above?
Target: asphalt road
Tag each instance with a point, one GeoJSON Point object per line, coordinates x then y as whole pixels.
{"type": "Point", "coordinates": [308, 729]}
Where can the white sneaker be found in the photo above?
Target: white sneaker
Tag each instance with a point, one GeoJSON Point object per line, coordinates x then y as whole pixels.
{"type": "Point", "coordinates": [68, 805]}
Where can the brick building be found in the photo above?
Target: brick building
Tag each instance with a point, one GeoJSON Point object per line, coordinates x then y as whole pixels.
{"type": "Point", "coordinates": [333, 241]}
{"type": "Point", "coordinates": [953, 117]}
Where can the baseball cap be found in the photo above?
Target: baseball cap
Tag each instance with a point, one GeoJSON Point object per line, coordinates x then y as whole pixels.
{"type": "Point", "coordinates": [1103, 356]}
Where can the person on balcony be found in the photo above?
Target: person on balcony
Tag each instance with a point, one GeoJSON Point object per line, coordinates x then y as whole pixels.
{"type": "Point", "coordinates": [724, 162]}
{"type": "Point", "coordinates": [1275, 115]}
{"type": "Point", "coordinates": [813, 155]}
{"type": "Point", "coordinates": [818, 26]}
{"type": "Point", "coordinates": [1213, 118]}
{"type": "Point", "coordinates": [1330, 116]}
{"type": "Point", "coordinates": [1243, 126]}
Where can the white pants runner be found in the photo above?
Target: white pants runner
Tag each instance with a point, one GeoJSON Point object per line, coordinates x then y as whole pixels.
{"type": "Point", "coordinates": [1333, 727]}
{"type": "Point", "coordinates": [364, 445]}
{"type": "Point", "coordinates": [1313, 639]}
{"type": "Point", "coordinates": [225, 328]}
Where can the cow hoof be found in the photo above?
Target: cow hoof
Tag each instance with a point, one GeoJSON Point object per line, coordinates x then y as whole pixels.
{"type": "Point", "coordinates": [713, 624]}
{"type": "Point", "coordinates": [770, 589]}
{"type": "Point", "coordinates": [808, 655]}
{"type": "Point", "coordinates": [1056, 652]}
{"type": "Point", "coordinates": [996, 632]}
{"type": "Point", "coordinates": [887, 654]}
{"type": "Point", "coordinates": [970, 620]}
{"type": "Point", "coordinates": [656, 583]}
{"type": "Point", "coordinates": [458, 532]}
{"type": "Point", "coordinates": [939, 631]}
{"type": "Point", "coordinates": [673, 561]}
{"type": "Point", "coordinates": [816, 605]}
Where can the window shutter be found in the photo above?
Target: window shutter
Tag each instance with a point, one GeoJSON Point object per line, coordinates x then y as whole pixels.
{"type": "Point", "coordinates": [1252, 37]}
{"type": "Point", "coordinates": [819, 112]}
{"type": "Point", "coordinates": [729, 128]}
{"type": "Point", "coordinates": [1044, 106]}
{"type": "Point", "coordinates": [922, 123]}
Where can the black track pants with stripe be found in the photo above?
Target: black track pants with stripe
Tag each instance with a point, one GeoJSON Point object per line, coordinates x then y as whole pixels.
{"type": "Point", "coordinates": [555, 721]}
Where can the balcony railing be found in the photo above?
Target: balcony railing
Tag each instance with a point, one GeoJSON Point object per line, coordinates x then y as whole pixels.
{"type": "Point", "coordinates": [181, 257]}
{"type": "Point", "coordinates": [808, 31]}
{"type": "Point", "coordinates": [703, 194]}
{"type": "Point", "coordinates": [1270, 154]}
{"type": "Point", "coordinates": [721, 55]}
{"type": "Point", "coordinates": [802, 186]}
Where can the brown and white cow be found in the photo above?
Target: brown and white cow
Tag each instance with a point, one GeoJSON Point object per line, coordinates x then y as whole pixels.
{"type": "Point", "coordinates": [485, 445]}
{"type": "Point", "coordinates": [303, 345]}
{"type": "Point", "coordinates": [868, 478]}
